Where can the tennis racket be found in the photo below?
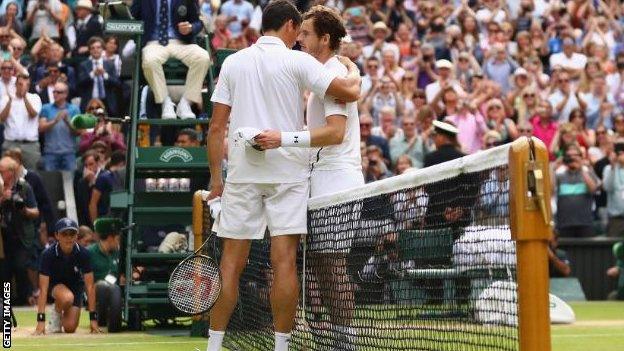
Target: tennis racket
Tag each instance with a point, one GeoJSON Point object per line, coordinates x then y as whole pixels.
{"type": "Point", "coordinates": [195, 283]}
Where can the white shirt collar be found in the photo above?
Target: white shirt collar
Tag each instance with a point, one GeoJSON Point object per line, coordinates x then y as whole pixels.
{"type": "Point", "coordinates": [270, 40]}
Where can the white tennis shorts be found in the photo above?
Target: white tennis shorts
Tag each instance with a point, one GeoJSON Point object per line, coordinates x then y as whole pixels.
{"type": "Point", "coordinates": [334, 232]}
{"type": "Point", "coordinates": [248, 208]}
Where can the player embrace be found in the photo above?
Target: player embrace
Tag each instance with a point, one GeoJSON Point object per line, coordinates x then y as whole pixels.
{"type": "Point", "coordinates": [334, 136]}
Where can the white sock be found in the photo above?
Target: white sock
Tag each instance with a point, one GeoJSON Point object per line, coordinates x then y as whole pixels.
{"type": "Point", "coordinates": [281, 341]}
{"type": "Point", "coordinates": [215, 339]}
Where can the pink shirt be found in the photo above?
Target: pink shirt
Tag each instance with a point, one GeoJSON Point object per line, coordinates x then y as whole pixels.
{"type": "Point", "coordinates": [471, 130]}
{"type": "Point", "coordinates": [545, 134]}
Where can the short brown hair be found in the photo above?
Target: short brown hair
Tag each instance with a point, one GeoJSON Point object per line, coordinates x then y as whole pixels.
{"type": "Point", "coordinates": [95, 40]}
{"type": "Point", "coordinates": [326, 20]}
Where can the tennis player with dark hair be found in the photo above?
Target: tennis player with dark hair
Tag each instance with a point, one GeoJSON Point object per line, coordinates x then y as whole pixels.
{"type": "Point", "coordinates": [260, 88]}
{"type": "Point", "coordinates": [336, 166]}
{"type": "Point", "coordinates": [65, 272]}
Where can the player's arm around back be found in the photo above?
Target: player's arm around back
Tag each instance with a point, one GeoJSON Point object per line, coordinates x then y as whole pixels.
{"type": "Point", "coordinates": [216, 134]}
{"type": "Point", "coordinates": [346, 88]}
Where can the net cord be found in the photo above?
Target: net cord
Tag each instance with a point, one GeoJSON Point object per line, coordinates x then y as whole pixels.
{"type": "Point", "coordinates": [472, 163]}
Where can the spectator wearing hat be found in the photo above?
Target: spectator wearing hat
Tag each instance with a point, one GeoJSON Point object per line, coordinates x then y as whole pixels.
{"type": "Point", "coordinates": [104, 257]}
{"type": "Point", "coordinates": [447, 146]}
{"type": "Point", "coordinates": [87, 25]}
{"type": "Point", "coordinates": [381, 32]}
{"type": "Point", "coordinates": [358, 24]}
{"type": "Point", "coordinates": [571, 61]}
{"type": "Point", "coordinates": [20, 115]}
{"type": "Point", "coordinates": [65, 273]}
{"type": "Point", "coordinates": [171, 33]}
{"type": "Point", "coordinates": [499, 67]}
{"type": "Point", "coordinates": [444, 80]}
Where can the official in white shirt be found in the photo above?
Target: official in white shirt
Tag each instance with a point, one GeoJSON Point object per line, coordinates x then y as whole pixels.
{"type": "Point", "coordinates": [260, 88]}
{"type": "Point", "coordinates": [20, 113]}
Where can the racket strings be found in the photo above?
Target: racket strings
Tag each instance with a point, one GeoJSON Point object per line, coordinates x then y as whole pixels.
{"type": "Point", "coordinates": [195, 285]}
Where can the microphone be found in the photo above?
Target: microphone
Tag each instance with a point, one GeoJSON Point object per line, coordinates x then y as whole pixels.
{"type": "Point", "coordinates": [87, 120]}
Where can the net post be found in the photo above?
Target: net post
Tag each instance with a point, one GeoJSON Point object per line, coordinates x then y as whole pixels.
{"type": "Point", "coordinates": [198, 230]}
{"type": "Point", "coordinates": [531, 228]}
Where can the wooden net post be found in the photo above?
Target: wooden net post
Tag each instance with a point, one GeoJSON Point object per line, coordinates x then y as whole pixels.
{"type": "Point", "coordinates": [531, 228]}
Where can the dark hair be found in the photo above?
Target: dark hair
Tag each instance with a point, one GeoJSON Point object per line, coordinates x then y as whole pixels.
{"type": "Point", "coordinates": [106, 235]}
{"type": "Point", "coordinates": [15, 153]}
{"type": "Point", "coordinates": [277, 13]}
{"type": "Point", "coordinates": [191, 133]}
{"type": "Point", "coordinates": [117, 157]}
{"type": "Point", "coordinates": [22, 76]}
{"type": "Point", "coordinates": [95, 40]}
{"type": "Point", "coordinates": [91, 153]}
{"type": "Point", "coordinates": [327, 21]}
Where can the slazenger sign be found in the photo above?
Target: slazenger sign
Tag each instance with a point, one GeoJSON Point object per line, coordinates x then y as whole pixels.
{"type": "Point", "coordinates": [127, 27]}
{"type": "Point", "coordinates": [176, 152]}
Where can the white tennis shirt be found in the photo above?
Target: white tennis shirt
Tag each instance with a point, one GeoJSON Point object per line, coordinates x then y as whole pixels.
{"type": "Point", "coordinates": [264, 85]}
{"type": "Point", "coordinates": [347, 154]}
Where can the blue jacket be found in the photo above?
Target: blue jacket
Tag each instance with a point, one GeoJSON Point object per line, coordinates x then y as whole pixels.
{"type": "Point", "coordinates": [145, 10]}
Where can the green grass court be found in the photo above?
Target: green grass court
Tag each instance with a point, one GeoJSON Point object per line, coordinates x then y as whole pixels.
{"type": "Point", "coordinates": [599, 327]}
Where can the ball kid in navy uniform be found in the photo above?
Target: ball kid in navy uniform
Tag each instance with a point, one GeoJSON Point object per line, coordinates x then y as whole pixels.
{"type": "Point", "coordinates": [64, 275]}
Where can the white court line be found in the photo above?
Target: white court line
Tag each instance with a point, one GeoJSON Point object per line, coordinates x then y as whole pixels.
{"type": "Point", "coordinates": [112, 343]}
{"type": "Point", "coordinates": [585, 335]}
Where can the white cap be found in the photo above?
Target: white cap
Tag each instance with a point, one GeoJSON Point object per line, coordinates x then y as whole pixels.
{"type": "Point", "coordinates": [380, 25]}
{"type": "Point", "coordinates": [444, 64]}
{"type": "Point", "coordinates": [87, 4]}
{"type": "Point", "coordinates": [446, 128]}
{"type": "Point", "coordinates": [521, 72]}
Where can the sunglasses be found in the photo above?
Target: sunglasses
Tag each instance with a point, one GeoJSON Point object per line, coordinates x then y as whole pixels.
{"type": "Point", "coordinates": [19, 48]}
{"type": "Point", "coordinates": [529, 95]}
{"type": "Point", "coordinates": [525, 130]}
{"type": "Point", "coordinates": [7, 68]}
{"type": "Point", "coordinates": [59, 91]}
{"type": "Point", "coordinates": [564, 80]}
{"type": "Point", "coordinates": [601, 132]}
{"type": "Point", "coordinates": [373, 66]}
{"type": "Point", "coordinates": [495, 107]}
{"type": "Point", "coordinates": [491, 144]}
{"type": "Point", "coordinates": [365, 125]}
{"type": "Point", "coordinates": [408, 78]}
{"type": "Point", "coordinates": [419, 96]}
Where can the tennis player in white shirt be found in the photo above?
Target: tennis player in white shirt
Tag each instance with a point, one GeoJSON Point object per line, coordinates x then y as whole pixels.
{"type": "Point", "coordinates": [334, 136]}
{"type": "Point", "coordinates": [260, 88]}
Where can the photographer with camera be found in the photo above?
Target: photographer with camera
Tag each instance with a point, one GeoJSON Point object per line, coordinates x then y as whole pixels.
{"type": "Point", "coordinates": [575, 183]}
{"type": "Point", "coordinates": [18, 209]}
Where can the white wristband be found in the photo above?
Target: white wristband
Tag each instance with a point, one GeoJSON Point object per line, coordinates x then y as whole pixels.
{"type": "Point", "coordinates": [296, 139]}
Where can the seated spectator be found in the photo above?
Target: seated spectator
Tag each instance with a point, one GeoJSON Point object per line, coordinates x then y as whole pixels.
{"type": "Point", "coordinates": [613, 185]}
{"type": "Point", "coordinates": [59, 150]}
{"type": "Point", "coordinates": [165, 39]}
{"type": "Point", "coordinates": [97, 78]}
{"type": "Point", "coordinates": [103, 131]}
{"type": "Point", "coordinates": [20, 114]}
{"type": "Point", "coordinates": [84, 183]}
{"type": "Point", "coordinates": [366, 125]}
{"type": "Point", "coordinates": [104, 255]}
{"type": "Point", "coordinates": [63, 285]}
{"type": "Point", "coordinates": [409, 144]}
{"type": "Point", "coordinates": [87, 25]}
{"type": "Point", "coordinates": [44, 17]}
{"type": "Point", "coordinates": [107, 181]}
{"type": "Point", "coordinates": [575, 185]}
{"type": "Point", "coordinates": [187, 137]}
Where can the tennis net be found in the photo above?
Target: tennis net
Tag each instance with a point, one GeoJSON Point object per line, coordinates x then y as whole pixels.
{"type": "Point", "coordinates": [421, 261]}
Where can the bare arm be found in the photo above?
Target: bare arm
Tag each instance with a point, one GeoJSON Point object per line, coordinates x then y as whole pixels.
{"type": "Point", "coordinates": [44, 282]}
{"type": "Point", "coordinates": [347, 88]}
{"type": "Point", "coordinates": [95, 198]}
{"type": "Point", "coordinates": [4, 115]}
{"type": "Point", "coordinates": [32, 113]}
{"type": "Point", "coordinates": [45, 125]}
{"type": "Point", "coordinates": [90, 287]}
{"type": "Point", "coordinates": [216, 134]}
{"type": "Point", "coordinates": [332, 133]}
